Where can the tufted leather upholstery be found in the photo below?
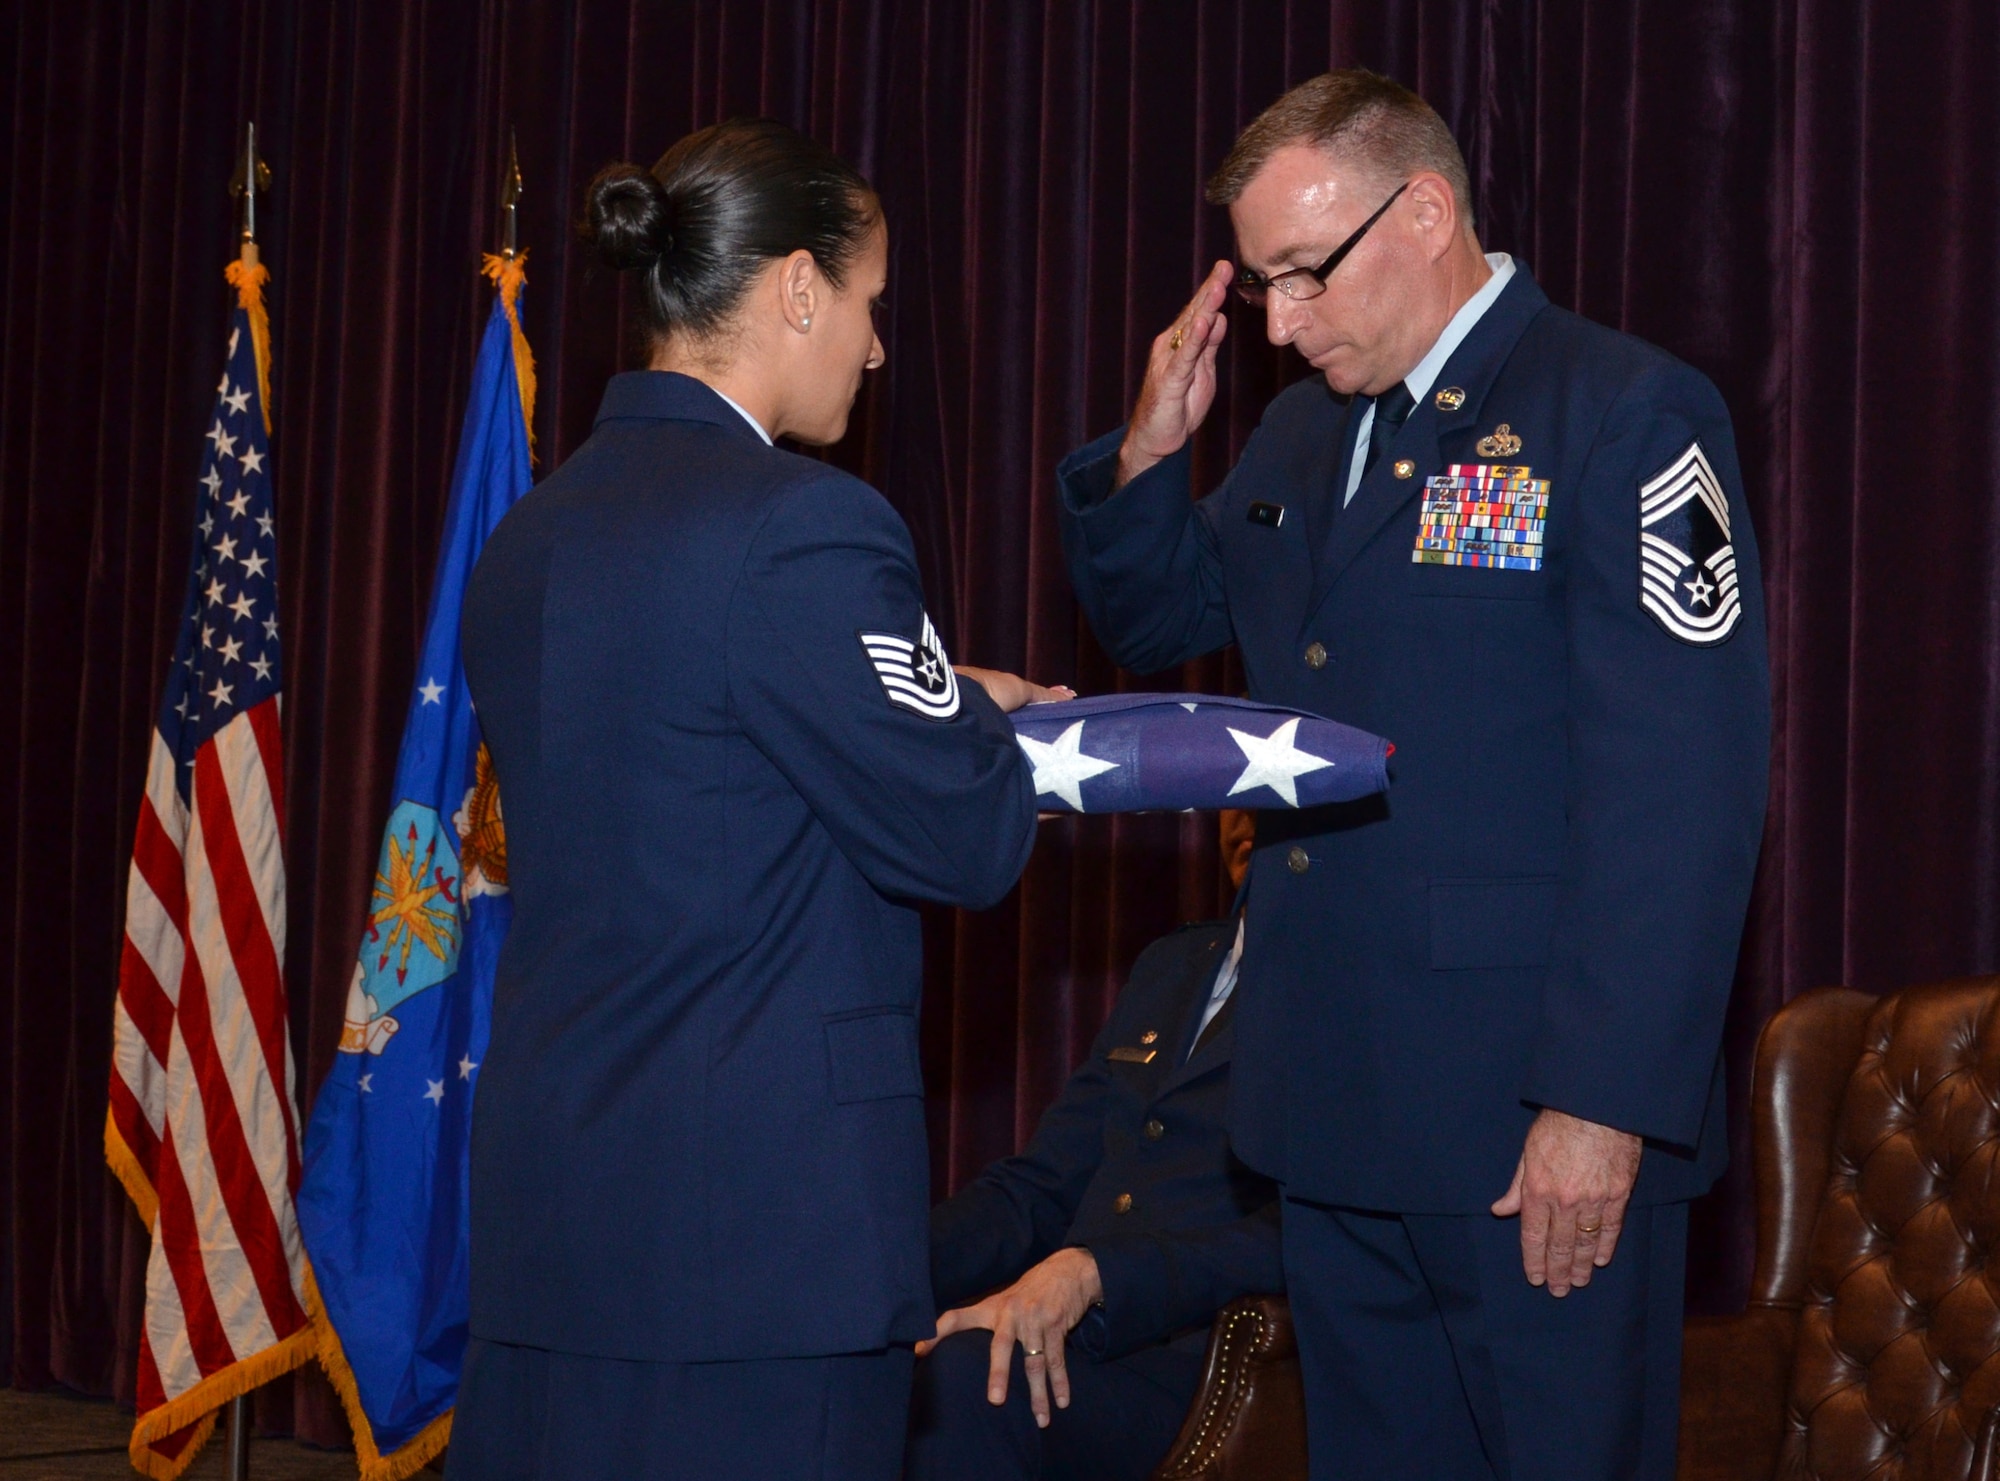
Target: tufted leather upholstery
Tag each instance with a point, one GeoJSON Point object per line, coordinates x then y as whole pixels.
{"type": "Point", "coordinates": [1871, 1346]}
{"type": "Point", "coordinates": [1248, 1419]}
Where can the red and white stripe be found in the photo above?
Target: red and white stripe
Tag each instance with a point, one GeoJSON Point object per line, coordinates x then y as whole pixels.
{"type": "Point", "coordinates": [203, 1092]}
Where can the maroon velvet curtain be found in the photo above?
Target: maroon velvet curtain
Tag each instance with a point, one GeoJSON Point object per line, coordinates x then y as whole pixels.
{"type": "Point", "coordinates": [1800, 199]}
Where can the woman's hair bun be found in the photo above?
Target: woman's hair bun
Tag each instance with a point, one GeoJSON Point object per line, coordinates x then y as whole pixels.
{"type": "Point", "coordinates": [630, 218]}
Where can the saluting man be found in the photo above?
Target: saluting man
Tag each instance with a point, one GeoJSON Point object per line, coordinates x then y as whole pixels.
{"type": "Point", "coordinates": [1486, 1008]}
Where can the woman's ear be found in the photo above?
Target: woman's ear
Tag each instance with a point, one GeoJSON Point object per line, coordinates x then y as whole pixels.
{"type": "Point", "coordinates": [801, 288]}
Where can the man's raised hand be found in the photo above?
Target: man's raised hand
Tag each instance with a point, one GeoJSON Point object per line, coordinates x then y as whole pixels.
{"type": "Point", "coordinates": [1180, 379]}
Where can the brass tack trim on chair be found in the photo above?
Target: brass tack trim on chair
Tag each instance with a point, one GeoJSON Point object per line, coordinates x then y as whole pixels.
{"type": "Point", "coordinates": [1220, 1413]}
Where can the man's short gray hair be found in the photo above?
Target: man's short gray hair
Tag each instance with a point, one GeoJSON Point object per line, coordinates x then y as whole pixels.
{"type": "Point", "coordinates": [1352, 115]}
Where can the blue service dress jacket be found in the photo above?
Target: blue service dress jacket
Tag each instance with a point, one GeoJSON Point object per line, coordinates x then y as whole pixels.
{"type": "Point", "coordinates": [1546, 595]}
{"type": "Point", "coordinates": [731, 757]}
{"type": "Point", "coordinates": [1132, 1162]}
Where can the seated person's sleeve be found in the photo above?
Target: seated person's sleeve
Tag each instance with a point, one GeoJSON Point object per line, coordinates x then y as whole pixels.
{"type": "Point", "coordinates": [1157, 1284]}
{"type": "Point", "coordinates": [1014, 1214]}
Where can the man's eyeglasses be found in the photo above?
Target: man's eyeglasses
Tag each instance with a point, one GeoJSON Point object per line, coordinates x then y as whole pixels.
{"type": "Point", "coordinates": [1302, 283]}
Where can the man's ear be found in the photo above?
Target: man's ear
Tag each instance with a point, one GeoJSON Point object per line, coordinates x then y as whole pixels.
{"type": "Point", "coordinates": [1436, 210]}
{"type": "Point", "coordinates": [801, 289]}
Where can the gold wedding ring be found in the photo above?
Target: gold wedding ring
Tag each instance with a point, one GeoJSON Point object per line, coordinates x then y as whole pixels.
{"type": "Point", "coordinates": [1031, 1352]}
{"type": "Point", "coordinates": [1588, 1228]}
{"type": "Point", "coordinates": [1179, 339]}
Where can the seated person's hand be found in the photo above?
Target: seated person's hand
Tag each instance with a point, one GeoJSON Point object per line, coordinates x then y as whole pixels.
{"type": "Point", "coordinates": [1011, 691]}
{"type": "Point", "coordinates": [1038, 1311]}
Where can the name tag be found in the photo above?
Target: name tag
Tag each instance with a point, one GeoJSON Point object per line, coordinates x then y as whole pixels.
{"type": "Point", "coordinates": [1483, 514]}
{"type": "Point", "coordinates": [1126, 1054]}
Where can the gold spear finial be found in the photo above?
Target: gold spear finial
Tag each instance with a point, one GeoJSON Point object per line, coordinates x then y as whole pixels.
{"type": "Point", "coordinates": [252, 175]}
{"type": "Point", "coordinates": [510, 200]}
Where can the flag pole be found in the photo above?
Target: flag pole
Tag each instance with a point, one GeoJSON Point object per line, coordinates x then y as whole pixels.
{"type": "Point", "coordinates": [252, 175]}
{"type": "Point", "coordinates": [510, 201]}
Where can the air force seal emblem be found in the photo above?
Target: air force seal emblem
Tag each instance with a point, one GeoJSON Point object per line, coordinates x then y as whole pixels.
{"type": "Point", "coordinates": [1687, 567]}
{"type": "Point", "coordinates": [916, 676]}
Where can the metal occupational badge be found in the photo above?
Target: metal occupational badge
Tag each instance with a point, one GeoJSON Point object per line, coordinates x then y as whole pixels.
{"type": "Point", "coordinates": [1687, 567]}
{"type": "Point", "coordinates": [916, 676]}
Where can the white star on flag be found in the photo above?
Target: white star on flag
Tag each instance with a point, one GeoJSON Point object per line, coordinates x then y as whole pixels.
{"type": "Point", "coordinates": [213, 483]}
{"type": "Point", "coordinates": [364, 1086]}
{"type": "Point", "coordinates": [262, 668]}
{"type": "Point", "coordinates": [214, 592]}
{"type": "Point", "coordinates": [436, 1092]}
{"type": "Point", "coordinates": [466, 1066]}
{"type": "Point", "coordinates": [225, 445]}
{"type": "Point", "coordinates": [1061, 768]}
{"type": "Point", "coordinates": [270, 627]}
{"type": "Point", "coordinates": [230, 648]}
{"type": "Point", "coordinates": [242, 606]}
{"type": "Point", "coordinates": [263, 524]}
{"type": "Point", "coordinates": [1275, 762]}
{"type": "Point", "coordinates": [238, 400]}
{"type": "Point", "coordinates": [430, 690]}
{"type": "Point", "coordinates": [253, 461]}
{"type": "Point", "coordinates": [253, 564]}
{"type": "Point", "coordinates": [215, 433]}
{"type": "Point", "coordinates": [225, 547]}
{"type": "Point", "coordinates": [220, 694]}
{"type": "Point", "coordinates": [239, 504]}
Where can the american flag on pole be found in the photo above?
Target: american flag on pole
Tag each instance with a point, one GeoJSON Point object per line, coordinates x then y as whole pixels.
{"type": "Point", "coordinates": [203, 1127]}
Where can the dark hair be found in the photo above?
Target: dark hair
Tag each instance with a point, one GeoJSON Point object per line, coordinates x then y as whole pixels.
{"type": "Point", "coordinates": [718, 205]}
{"type": "Point", "coordinates": [1355, 115]}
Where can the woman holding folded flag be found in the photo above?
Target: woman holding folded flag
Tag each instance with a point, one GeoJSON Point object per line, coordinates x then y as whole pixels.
{"type": "Point", "coordinates": [734, 755]}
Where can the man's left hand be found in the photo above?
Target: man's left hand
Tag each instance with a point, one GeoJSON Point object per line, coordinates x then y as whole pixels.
{"type": "Point", "coordinates": [1038, 1311]}
{"type": "Point", "coordinates": [1570, 1189]}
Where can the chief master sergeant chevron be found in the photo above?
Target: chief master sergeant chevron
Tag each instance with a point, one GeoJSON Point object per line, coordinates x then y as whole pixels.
{"type": "Point", "coordinates": [1488, 1005]}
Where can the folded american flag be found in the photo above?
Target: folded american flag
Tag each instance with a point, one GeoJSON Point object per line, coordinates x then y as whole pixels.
{"type": "Point", "coordinates": [1169, 752]}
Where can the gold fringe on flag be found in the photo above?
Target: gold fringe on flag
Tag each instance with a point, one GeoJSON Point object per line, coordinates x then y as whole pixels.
{"type": "Point", "coordinates": [508, 274]}
{"type": "Point", "coordinates": [398, 1464]}
{"type": "Point", "coordinates": [125, 1165]}
{"type": "Point", "coordinates": [197, 1407]}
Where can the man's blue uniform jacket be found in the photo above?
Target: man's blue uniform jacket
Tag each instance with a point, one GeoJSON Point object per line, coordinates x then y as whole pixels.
{"type": "Point", "coordinates": [1198, 1229]}
{"type": "Point", "coordinates": [1544, 909]}
{"type": "Point", "coordinates": [699, 1132]}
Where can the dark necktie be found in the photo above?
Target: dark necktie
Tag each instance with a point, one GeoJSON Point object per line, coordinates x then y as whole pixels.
{"type": "Point", "coordinates": [1392, 409]}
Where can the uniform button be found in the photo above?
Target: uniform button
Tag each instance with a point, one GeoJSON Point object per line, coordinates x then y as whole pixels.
{"type": "Point", "coordinates": [1316, 656]}
{"type": "Point", "coordinates": [1297, 860]}
{"type": "Point", "coordinates": [1154, 1130]}
{"type": "Point", "coordinates": [1122, 1204]}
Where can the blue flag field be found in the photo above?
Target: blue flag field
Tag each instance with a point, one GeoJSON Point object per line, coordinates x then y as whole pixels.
{"type": "Point", "coordinates": [383, 1206]}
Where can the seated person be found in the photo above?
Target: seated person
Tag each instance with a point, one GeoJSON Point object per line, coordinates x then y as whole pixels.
{"type": "Point", "coordinates": [1107, 1246]}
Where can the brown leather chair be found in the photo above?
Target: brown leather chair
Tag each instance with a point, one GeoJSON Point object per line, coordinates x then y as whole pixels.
{"type": "Point", "coordinates": [1248, 1419]}
{"type": "Point", "coordinates": [1871, 1343]}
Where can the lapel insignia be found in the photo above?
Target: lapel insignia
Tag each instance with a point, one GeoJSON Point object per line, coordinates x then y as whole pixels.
{"type": "Point", "coordinates": [1502, 444]}
{"type": "Point", "coordinates": [1149, 1035]}
{"type": "Point", "coordinates": [1451, 398]}
{"type": "Point", "coordinates": [1404, 468]}
{"type": "Point", "coordinates": [1126, 1054]}
{"type": "Point", "coordinates": [915, 676]}
{"type": "Point", "coordinates": [1687, 566]}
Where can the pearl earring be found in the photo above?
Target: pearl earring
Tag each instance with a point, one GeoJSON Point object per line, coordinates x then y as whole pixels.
{"type": "Point", "coordinates": [806, 322]}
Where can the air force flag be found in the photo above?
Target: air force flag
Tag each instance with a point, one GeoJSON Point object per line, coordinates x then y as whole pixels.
{"type": "Point", "coordinates": [383, 1204]}
{"type": "Point", "coordinates": [1170, 752]}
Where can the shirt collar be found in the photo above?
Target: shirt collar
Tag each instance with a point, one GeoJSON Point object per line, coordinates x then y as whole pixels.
{"type": "Point", "coordinates": [759, 426]}
{"type": "Point", "coordinates": [1470, 313]}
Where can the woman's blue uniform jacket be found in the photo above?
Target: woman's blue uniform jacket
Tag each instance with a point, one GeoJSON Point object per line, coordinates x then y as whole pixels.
{"type": "Point", "coordinates": [731, 759]}
{"type": "Point", "coordinates": [1545, 907]}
